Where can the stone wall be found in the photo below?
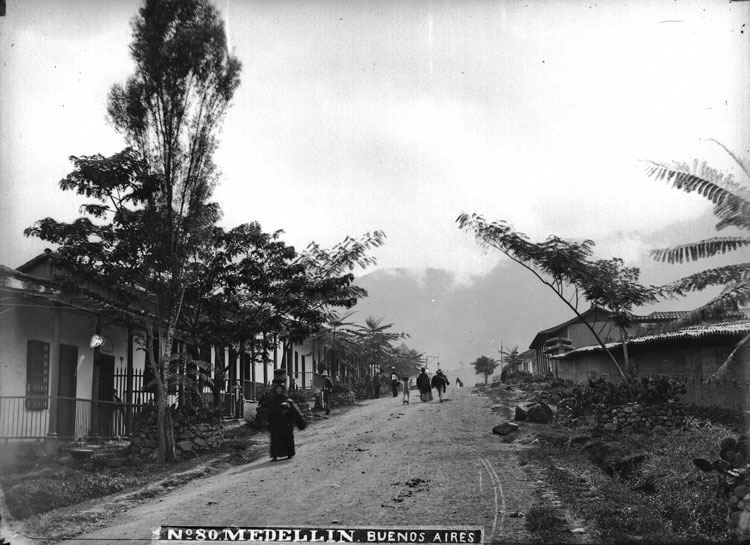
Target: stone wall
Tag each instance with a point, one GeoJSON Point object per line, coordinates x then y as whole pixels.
{"type": "Point", "coordinates": [739, 509]}
{"type": "Point", "coordinates": [191, 434]}
{"type": "Point", "coordinates": [637, 417]}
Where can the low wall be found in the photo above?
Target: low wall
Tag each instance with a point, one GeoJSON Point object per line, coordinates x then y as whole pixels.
{"type": "Point", "coordinates": [637, 417]}
{"type": "Point", "coordinates": [190, 435]}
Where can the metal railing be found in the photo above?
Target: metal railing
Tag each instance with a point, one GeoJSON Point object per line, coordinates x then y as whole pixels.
{"type": "Point", "coordinates": [76, 418]}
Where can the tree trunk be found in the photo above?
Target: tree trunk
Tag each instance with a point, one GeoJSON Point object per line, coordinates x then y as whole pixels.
{"type": "Point", "coordinates": [624, 339]}
{"type": "Point", "coordinates": [169, 447]}
{"type": "Point", "coordinates": [161, 398]}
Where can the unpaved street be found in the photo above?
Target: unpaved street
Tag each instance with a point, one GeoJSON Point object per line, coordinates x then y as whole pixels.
{"type": "Point", "coordinates": [379, 464]}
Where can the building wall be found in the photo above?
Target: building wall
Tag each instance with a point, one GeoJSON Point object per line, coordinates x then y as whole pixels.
{"type": "Point", "coordinates": [582, 335]}
{"type": "Point", "coordinates": [34, 319]}
{"type": "Point", "coordinates": [691, 365]}
{"type": "Point", "coordinates": [24, 323]}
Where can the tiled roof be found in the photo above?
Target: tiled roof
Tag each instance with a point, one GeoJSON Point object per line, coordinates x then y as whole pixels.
{"type": "Point", "coordinates": [664, 315]}
{"type": "Point", "coordinates": [734, 328]}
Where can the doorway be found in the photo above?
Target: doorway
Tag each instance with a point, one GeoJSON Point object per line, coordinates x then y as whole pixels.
{"type": "Point", "coordinates": [66, 391]}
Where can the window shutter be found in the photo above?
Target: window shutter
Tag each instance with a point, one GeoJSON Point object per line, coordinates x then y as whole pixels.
{"type": "Point", "coordinates": [37, 375]}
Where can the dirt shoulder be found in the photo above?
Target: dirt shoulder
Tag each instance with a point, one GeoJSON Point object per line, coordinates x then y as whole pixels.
{"type": "Point", "coordinates": [380, 463]}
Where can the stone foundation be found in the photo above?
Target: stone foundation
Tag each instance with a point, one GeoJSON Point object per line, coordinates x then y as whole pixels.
{"type": "Point", "coordinates": [191, 434]}
{"type": "Point", "coordinates": [637, 417]}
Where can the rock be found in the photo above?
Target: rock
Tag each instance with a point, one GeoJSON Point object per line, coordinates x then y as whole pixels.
{"type": "Point", "coordinates": [185, 446]}
{"type": "Point", "coordinates": [520, 413]}
{"type": "Point", "coordinates": [200, 443]}
{"type": "Point", "coordinates": [540, 413]}
{"type": "Point", "coordinates": [505, 428]}
{"type": "Point", "coordinates": [614, 457]}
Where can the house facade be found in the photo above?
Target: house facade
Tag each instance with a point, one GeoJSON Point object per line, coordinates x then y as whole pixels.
{"type": "Point", "coordinates": [69, 369]}
{"type": "Point", "coordinates": [691, 355]}
{"type": "Point", "coordinates": [54, 381]}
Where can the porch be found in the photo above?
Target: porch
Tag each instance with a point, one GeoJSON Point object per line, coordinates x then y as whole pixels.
{"type": "Point", "coordinates": [30, 418]}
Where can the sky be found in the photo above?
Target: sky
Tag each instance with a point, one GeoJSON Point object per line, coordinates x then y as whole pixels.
{"type": "Point", "coordinates": [398, 115]}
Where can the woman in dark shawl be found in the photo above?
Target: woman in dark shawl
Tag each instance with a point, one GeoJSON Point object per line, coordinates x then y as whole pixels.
{"type": "Point", "coordinates": [283, 415]}
{"type": "Point", "coordinates": [423, 385]}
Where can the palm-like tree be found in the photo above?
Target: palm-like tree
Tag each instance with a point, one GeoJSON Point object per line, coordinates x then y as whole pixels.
{"type": "Point", "coordinates": [510, 358]}
{"type": "Point", "coordinates": [339, 341]}
{"type": "Point", "coordinates": [407, 361]}
{"type": "Point", "coordinates": [731, 200]}
{"type": "Point", "coordinates": [375, 343]}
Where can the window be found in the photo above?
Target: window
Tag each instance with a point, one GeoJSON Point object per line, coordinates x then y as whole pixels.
{"type": "Point", "coordinates": [37, 375]}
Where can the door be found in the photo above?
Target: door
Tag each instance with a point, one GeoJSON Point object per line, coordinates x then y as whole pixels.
{"type": "Point", "coordinates": [103, 390]}
{"type": "Point", "coordinates": [66, 391]}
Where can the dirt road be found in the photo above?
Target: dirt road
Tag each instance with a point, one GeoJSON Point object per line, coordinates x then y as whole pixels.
{"type": "Point", "coordinates": [380, 464]}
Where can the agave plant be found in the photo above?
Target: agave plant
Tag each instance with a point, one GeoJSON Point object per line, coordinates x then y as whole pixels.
{"type": "Point", "coordinates": [731, 199]}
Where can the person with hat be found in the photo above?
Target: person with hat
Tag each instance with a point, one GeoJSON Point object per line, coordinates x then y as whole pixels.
{"type": "Point", "coordinates": [327, 389]}
{"type": "Point", "coordinates": [283, 416]}
{"type": "Point", "coordinates": [440, 382]}
{"type": "Point", "coordinates": [395, 379]}
{"type": "Point", "coordinates": [423, 385]}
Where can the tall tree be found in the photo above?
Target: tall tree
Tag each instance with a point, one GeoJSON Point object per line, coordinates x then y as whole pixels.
{"type": "Point", "coordinates": [154, 214]}
{"type": "Point", "coordinates": [566, 269]}
{"type": "Point", "coordinates": [484, 365]}
{"type": "Point", "coordinates": [731, 199]}
{"type": "Point", "coordinates": [327, 283]}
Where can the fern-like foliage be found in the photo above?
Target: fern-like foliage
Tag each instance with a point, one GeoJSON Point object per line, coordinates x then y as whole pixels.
{"type": "Point", "coordinates": [700, 250]}
{"type": "Point", "coordinates": [731, 200]}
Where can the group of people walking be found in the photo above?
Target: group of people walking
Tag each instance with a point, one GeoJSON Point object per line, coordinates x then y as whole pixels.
{"type": "Point", "coordinates": [425, 384]}
{"type": "Point", "coordinates": [284, 416]}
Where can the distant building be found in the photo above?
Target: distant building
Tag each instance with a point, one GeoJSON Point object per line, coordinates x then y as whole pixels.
{"type": "Point", "coordinates": [574, 333]}
{"type": "Point", "coordinates": [691, 355]}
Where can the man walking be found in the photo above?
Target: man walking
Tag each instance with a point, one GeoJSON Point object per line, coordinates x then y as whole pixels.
{"type": "Point", "coordinates": [440, 382]}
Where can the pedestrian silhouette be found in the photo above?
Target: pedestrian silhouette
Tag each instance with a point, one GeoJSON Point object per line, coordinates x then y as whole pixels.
{"type": "Point", "coordinates": [423, 385]}
{"type": "Point", "coordinates": [283, 416]}
{"type": "Point", "coordinates": [440, 382]}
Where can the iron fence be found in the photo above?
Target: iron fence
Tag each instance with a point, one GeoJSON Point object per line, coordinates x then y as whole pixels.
{"type": "Point", "coordinates": [76, 418]}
